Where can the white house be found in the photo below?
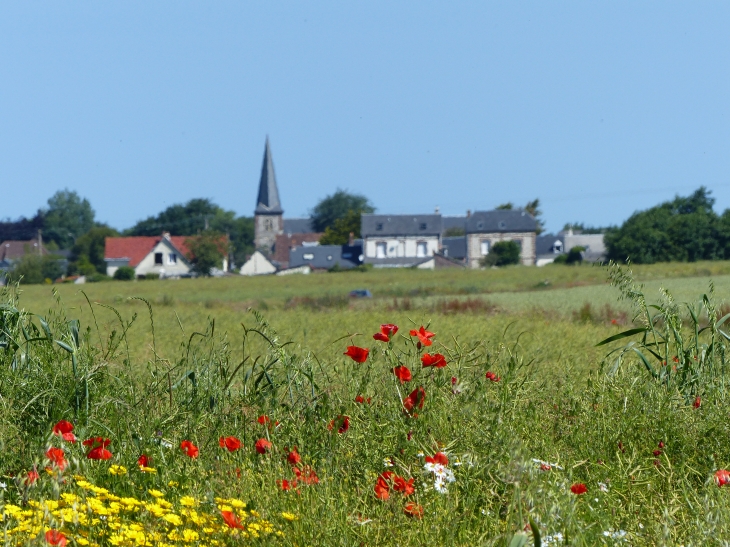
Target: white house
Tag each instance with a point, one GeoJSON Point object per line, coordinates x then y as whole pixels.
{"type": "Point", "coordinates": [393, 241]}
{"type": "Point", "coordinates": [165, 255]}
{"type": "Point", "coordinates": [258, 264]}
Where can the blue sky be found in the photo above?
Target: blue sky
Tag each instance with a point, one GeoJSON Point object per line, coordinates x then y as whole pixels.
{"type": "Point", "coordinates": [598, 109]}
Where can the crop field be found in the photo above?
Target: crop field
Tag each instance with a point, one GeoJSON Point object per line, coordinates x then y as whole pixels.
{"type": "Point", "coordinates": [279, 411]}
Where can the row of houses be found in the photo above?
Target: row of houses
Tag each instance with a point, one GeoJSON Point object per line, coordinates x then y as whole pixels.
{"type": "Point", "coordinates": [395, 241]}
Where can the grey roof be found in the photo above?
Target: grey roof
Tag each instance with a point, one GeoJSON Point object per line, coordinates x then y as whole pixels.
{"type": "Point", "coordinates": [400, 225]}
{"type": "Point", "coordinates": [268, 200]}
{"type": "Point", "coordinates": [298, 226]}
{"type": "Point", "coordinates": [453, 222]}
{"type": "Point", "coordinates": [487, 222]}
{"type": "Point", "coordinates": [398, 262]}
{"type": "Point", "coordinates": [545, 244]}
{"type": "Point", "coordinates": [326, 256]}
{"type": "Point", "coordinates": [454, 247]}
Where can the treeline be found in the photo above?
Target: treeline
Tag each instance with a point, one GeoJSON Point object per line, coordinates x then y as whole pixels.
{"type": "Point", "coordinates": [685, 229]}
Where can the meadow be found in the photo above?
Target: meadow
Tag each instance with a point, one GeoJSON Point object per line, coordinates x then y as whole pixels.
{"type": "Point", "coordinates": [221, 411]}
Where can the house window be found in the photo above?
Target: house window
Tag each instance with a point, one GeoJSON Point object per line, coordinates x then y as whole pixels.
{"type": "Point", "coordinates": [484, 247]}
{"type": "Point", "coordinates": [421, 248]}
{"type": "Point", "coordinates": [480, 225]}
{"type": "Point", "coordinates": [158, 259]}
{"type": "Point", "coordinates": [308, 256]}
{"type": "Point", "coordinates": [502, 224]}
{"type": "Point", "coordinates": [379, 226]}
{"type": "Point", "coordinates": [423, 226]}
{"type": "Point", "coordinates": [268, 225]}
{"type": "Point", "coordinates": [172, 258]}
{"type": "Point", "coordinates": [380, 250]}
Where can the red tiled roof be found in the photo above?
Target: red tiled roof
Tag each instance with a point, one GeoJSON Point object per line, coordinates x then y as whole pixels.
{"type": "Point", "coordinates": [137, 247]}
{"type": "Point", "coordinates": [285, 242]}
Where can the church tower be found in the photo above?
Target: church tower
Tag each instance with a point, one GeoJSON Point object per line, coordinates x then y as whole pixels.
{"type": "Point", "coordinates": [268, 216]}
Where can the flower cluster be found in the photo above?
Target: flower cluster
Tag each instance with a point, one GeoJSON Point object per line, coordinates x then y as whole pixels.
{"type": "Point", "coordinates": [437, 465]}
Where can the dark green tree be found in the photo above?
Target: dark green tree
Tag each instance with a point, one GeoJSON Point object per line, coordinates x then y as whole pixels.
{"type": "Point", "coordinates": [89, 248]}
{"type": "Point", "coordinates": [337, 206]}
{"type": "Point", "coordinates": [67, 217]}
{"type": "Point", "coordinates": [206, 252]}
{"type": "Point", "coordinates": [533, 207]}
{"type": "Point", "coordinates": [124, 273]}
{"type": "Point", "coordinates": [339, 232]}
{"type": "Point", "coordinates": [505, 206]}
{"type": "Point", "coordinates": [685, 229]}
{"type": "Point", "coordinates": [33, 269]}
{"type": "Point", "coordinates": [503, 253]}
{"type": "Point", "coordinates": [575, 255]}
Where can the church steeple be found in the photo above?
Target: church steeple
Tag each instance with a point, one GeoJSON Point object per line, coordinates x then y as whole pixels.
{"type": "Point", "coordinates": [268, 200]}
{"type": "Point", "coordinates": [268, 215]}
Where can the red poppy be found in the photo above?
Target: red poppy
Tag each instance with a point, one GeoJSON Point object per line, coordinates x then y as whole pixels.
{"type": "Point", "coordinates": [56, 455]}
{"type": "Point", "coordinates": [229, 443]}
{"type": "Point", "coordinates": [144, 461]}
{"type": "Point", "coordinates": [54, 537]}
{"type": "Point", "coordinates": [415, 399]}
{"type": "Point", "coordinates": [423, 335]}
{"type": "Point", "coordinates": [342, 423]}
{"type": "Point", "coordinates": [454, 380]}
{"type": "Point", "coordinates": [436, 360]}
{"type": "Point", "coordinates": [400, 484]}
{"type": "Point", "coordinates": [578, 488]}
{"type": "Point", "coordinates": [263, 446]}
{"type": "Point", "coordinates": [99, 453]}
{"type": "Point", "coordinates": [287, 484]}
{"type": "Point", "coordinates": [63, 429]}
{"type": "Point", "coordinates": [382, 486]}
{"type": "Point", "coordinates": [661, 444]}
{"type": "Point", "coordinates": [307, 475]}
{"type": "Point", "coordinates": [31, 477]}
{"type": "Point", "coordinates": [697, 402]}
{"type": "Point", "coordinates": [492, 377]}
{"type": "Point", "coordinates": [675, 359]}
{"type": "Point", "coordinates": [657, 452]}
{"type": "Point", "coordinates": [97, 441]}
{"type": "Point", "coordinates": [403, 374]}
{"type": "Point", "coordinates": [357, 354]}
{"type": "Point", "coordinates": [190, 449]}
{"type": "Point", "coordinates": [412, 509]}
{"type": "Point", "coordinates": [231, 519]}
{"type": "Point", "coordinates": [293, 457]}
{"type": "Point", "coordinates": [387, 331]}
{"type": "Point", "coordinates": [439, 457]}
{"type": "Point", "coordinates": [722, 477]}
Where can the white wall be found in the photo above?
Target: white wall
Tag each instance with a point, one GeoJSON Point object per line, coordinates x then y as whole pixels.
{"type": "Point", "coordinates": [257, 265]}
{"type": "Point", "coordinates": [147, 265]}
{"type": "Point", "coordinates": [526, 240]}
{"type": "Point", "coordinates": [400, 247]}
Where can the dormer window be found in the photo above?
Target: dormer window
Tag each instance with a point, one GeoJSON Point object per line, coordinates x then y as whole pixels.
{"type": "Point", "coordinates": [502, 224]}
{"type": "Point", "coordinates": [423, 226]}
{"type": "Point", "coordinates": [480, 225]}
{"type": "Point", "coordinates": [308, 256]}
{"type": "Point", "coordinates": [379, 226]}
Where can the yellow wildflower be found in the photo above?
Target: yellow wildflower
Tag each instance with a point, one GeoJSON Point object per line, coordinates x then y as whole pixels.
{"type": "Point", "coordinates": [155, 493]}
{"type": "Point", "coordinates": [289, 516]}
{"type": "Point", "coordinates": [173, 519]}
{"type": "Point", "coordinates": [117, 470]}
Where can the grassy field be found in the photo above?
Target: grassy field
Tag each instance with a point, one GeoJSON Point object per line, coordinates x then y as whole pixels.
{"type": "Point", "coordinates": [524, 411]}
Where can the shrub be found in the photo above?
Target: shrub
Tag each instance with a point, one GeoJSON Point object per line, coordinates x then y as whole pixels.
{"type": "Point", "coordinates": [503, 253]}
{"type": "Point", "coordinates": [124, 273]}
{"type": "Point", "coordinates": [560, 259]}
{"type": "Point", "coordinates": [575, 255]}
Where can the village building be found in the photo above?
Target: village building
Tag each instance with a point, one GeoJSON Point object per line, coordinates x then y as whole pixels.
{"type": "Point", "coordinates": [398, 241]}
{"type": "Point", "coordinates": [257, 264]}
{"type": "Point", "coordinates": [165, 255]}
{"type": "Point", "coordinates": [326, 257]}
{"type": "Point", "coordinates": [485, 228]}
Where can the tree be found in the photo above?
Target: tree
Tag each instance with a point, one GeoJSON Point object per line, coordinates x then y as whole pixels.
{"type": "Point", "coordinates": [206, 251]}
{"type": "Point", "coordinates": [581, 228]}
{"type": "Point", "coordinates": [339, 232]}
{"type": "Point", "coordinates": [21, 229]}
{"type": "Point", "coordinates": [533, 207]}
{"type": "Point", "coordinates": [337, 206]}
{"type": "Point", "coordinates": [575, 255]}
{"type": "Point", "coordinates": [89, 248]}
{"type": "Point", "coordinates": [503, 253]}
{"type": "Point", "coordinates": [34, 269]}
{"type": "Point", "coordinates": [454, 231]}
{"type": "Point", "coordinates": [505, 206]}
{"type": "Point", "coordinates": [68, 217]}
{"type": "Point", "coordinates": [685, 229]}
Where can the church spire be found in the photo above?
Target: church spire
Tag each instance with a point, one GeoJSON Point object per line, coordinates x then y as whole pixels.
{"type": "Point", "coordinates": [268, 200]}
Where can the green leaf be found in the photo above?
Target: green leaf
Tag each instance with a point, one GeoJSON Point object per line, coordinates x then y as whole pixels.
{"type": "Point", "coordinates": [65, 346]}
{"type": "Point", "coordinates": [518, 540]}
{"type": "Point", "coordinates": [536, 540]}
{"type": "Point", "coordinates": [721, 321]}
{"type": "Point", "coordinates": [621, 335]}
{"type": "Point", "coordinates": [646, 362]}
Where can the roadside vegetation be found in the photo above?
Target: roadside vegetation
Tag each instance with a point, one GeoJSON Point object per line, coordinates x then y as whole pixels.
{"type": "Point", "coordinates": [304, 418]}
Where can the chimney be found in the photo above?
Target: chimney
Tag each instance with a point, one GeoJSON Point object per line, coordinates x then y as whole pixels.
{"type": "Point", "coordinates": [437, 211]}
{"type": "Point", "coordinates": [166, 235]}
{"type": "Point", "coordinates": [351, 239]}
{"type": "Point", "coordinates": [468, 213]}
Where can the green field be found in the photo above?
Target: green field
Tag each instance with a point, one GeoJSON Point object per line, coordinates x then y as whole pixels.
{"type": "Point", "coordinates": [199, 364]}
